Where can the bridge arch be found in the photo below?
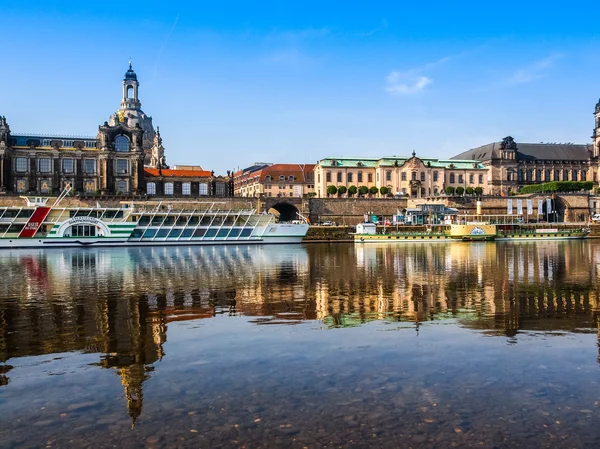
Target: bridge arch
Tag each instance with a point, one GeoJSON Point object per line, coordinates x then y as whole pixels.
{"type": "Point", "coordinates": [285, 211]}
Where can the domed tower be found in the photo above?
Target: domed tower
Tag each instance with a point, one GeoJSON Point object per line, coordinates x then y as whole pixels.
{"type": "Point", "coordinates": [130, 113]}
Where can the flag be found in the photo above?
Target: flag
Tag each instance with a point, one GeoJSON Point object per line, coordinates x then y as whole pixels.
{"type": "Point", "coordinates": [509, 207]}
{"type": "Point", "coordinates": [540, 207]}
{"type": "Point", "coordinates": [529, 207]}
{"type": "Point", "coordinates": [519, 207]}
{"type": "Point", "coordinates": [548, 206]}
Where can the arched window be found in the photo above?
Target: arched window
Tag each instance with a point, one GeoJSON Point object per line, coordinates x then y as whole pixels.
{"type": "Point", "coordinates": [268, 178]}
{"type": "Point", "coordinates": [529, 175]}
{"type": "Point", "coordinates": [565, 175]}
{"type": "Point", "coordinates": [130, 92]}
{"type": "Point", "coordinates": [574, 175]}
{"type": "Point", "coordinates": [290, 178]}
{"type": "Point", "coordinates": [281, 178]}
{"type": "Point", "coordinates": [122, 144]}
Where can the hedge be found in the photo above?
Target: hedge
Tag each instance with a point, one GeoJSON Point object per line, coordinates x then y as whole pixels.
{"type": "Point", "coordinates": [558, 186]}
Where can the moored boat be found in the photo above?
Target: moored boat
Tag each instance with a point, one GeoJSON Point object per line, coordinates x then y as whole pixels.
{"type": "Point", "coordinates": [140, 224]}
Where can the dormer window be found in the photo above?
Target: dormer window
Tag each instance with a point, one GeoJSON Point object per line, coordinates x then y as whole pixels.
{"type": "Point", "coordinates": [281, 178]}
{"type": "Point", "coordinates": [268, 178]}
{"type": "Point", "coordinates": [291, 179]}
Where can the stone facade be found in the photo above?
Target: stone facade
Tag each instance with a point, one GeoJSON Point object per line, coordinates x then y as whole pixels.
{"type": "Point", "coordinates": [275, 180]}
{"type": "Point", "coordinates": [413, 177]}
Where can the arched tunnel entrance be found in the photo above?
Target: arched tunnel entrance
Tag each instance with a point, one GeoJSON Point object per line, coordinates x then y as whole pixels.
{"type": "Point", "coordinates": [285, 211]}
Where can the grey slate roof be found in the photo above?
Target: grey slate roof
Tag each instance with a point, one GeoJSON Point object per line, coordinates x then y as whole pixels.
{"type": "Point", "coordinates": [531, 151]}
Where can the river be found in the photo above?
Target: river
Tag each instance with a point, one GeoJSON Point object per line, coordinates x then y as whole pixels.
{"type": "Point", "coordinates": [318, 345]}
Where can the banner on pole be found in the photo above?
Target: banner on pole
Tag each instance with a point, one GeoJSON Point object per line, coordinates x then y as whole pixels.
{"type": "Point", "coordinates": [540, 207]}
{"type": "Point", "coordinates": [519, 207]}
{"type": "Point", "coordinates": [549, 205]}
{"type": "Point", "coordinates": [529, 207]}
{"type": "Point", "coordinates": [509, 207]}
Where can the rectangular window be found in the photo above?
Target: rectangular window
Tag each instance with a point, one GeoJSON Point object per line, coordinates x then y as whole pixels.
{"type": "Point", "coordinates": [328, 177]}
{"type": "Point", "coordinates": [452, 178]}
{"type": "Point", "coordinates": [422, 176]}
{"type": "Point", "coordinates": [21, 164]}
{"type": "Point", "coordinates": [339, 176]}
{"type": "Point", "coordinates": [359, 177]}
{"type": "Point", "coordinates": [44, 165]}
{"type": "Point", "coordinates": [68, 143]}
{"type": "Point", "coordinates": [90, 144]}
{"type": "Point", "coordinates": [435, 176]}
{"type": "Point", "coordinates": [203, 188]}
{"type": "Point", "coordinates": [369, 177]}
{"type": "Point", "coordinates": [68, 165]}
{"type": "Point", "coordinates": [349, 177]}
{"type": "Point", "coordinates": [122, 166]}
{"type": "Point", "coordinates": [318, 177]}
{"type": "Point", "coordinates": [151, 188]}
{"type": "Point", "coordinates": [403, 176]}
{"type": "Point", "coordinates": [388, 175]}
{"type": "Point", "coordinates": [89, 166]}
{"type": "Point", "coordinates": [460, 179]}
{"type": "Point", "coordinates": [220, 190]}
{"type": "Point", "coordinates": [186, 188]}
{"type": "Point", "coordinates": [471, 179]}
{"type": "Point", "coordinates": [46, 142]}
{"type": "Point", "coordinates": [168, 188]}
{"type": "Point", "coordinates": [480, 179]}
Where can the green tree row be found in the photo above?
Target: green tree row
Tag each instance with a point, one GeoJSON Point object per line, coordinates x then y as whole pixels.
{"type": "Point", "coordinates": [461, 190]}
{"type": "Point", "coordinates": [353, 190]}
{"type": "Point", "coordinates": [558, 186]}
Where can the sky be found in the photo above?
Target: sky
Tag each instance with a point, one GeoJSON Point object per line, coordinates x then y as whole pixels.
{"type": "Point", "coordinates": [233, 83]}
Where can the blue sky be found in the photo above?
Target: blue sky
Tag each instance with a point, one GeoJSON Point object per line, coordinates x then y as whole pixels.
{"type": "Point", "coordinates": [230, 83]}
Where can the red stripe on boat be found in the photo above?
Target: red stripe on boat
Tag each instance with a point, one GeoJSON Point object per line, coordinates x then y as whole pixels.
{"type": "Point", "coordinates": [35, 221]}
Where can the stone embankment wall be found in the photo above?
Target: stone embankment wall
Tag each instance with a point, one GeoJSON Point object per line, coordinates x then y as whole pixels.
{"type": "Point", "coordinates": [350, 211]}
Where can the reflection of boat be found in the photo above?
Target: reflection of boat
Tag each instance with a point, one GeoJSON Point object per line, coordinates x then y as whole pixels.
{"type": "Point", "coordinates": [469, 231]}
{"type": "Point", "coordinates": [140, 224]}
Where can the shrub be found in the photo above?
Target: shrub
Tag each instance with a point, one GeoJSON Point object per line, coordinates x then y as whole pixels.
{"type": "Point", "coordinates": [450, 190]}
{"type": "Point", "coordinates": [342, 190]}
{"type": "Point", "coordinates": [460, 190]}
{"type": "Point", "coordinates": [469, 190]}
{"type": "Point", "coordinates": [352, 190]}
{"type": "Point", "coordinates": [558, 186]}
{"type": "Point", "coordinates": [384, 190]}
{"type": "Point", "coordinates": [363, 190]}
{"type": "Point", "coordinates": [478, 191]}
{"type": "Point", "coordinates": [331, 190]}
{"type": "Point", "coordinates": [373, 190]}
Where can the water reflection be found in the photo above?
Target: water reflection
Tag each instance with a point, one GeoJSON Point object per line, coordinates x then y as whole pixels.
{"type": "Point", "coordinates": [118, 303]}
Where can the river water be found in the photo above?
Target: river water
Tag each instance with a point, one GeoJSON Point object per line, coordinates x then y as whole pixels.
{"type": "Point", "coordinates": [413, 345]}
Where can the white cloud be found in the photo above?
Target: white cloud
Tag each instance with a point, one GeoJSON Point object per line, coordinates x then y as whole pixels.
{"type": "Point", "coordinates": [405, 83]}
{"type": "Point", "coordinates": [534, 71]}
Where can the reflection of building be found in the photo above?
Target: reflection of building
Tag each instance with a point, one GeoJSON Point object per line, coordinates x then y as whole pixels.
{"type": "Point", "coordinates": [295, 180]}
{"type": "Point", "coordinates": [413, 176]}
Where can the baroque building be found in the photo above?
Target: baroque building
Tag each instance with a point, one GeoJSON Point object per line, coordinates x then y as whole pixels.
{"type": "Point", "coordinates": [118, 160]}
{"type": "Point", "coordinates": [406, 176]}
{"type": "Point", "coordinates": [512, 164]}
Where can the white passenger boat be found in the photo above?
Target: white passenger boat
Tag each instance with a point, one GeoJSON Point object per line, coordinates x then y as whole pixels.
{"type": "Point", "coordinates": [140, 224]}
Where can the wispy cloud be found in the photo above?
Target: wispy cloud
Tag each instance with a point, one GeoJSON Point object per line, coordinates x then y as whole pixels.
{"type": "Point", "coordinates": [414, 80]}
{"type": "Point", "coordinates": [401, 84]}
{"type": "Point", "coordinates": [381, 27]}
{"type": "Point", "coordinates": [162, 47]}
{"type": "Point", "coordinates": [534, 71]}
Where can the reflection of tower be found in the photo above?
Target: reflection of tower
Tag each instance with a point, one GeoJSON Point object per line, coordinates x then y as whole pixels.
{"type": "Point", "coordinates": [133, 339]}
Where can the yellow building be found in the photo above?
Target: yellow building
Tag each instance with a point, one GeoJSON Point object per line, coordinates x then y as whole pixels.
{"type": "Point", "coordinates": [411, 176]}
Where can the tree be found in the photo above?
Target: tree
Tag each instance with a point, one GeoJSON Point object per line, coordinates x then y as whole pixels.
{"type": "Point", "coordinates": [352, 190]}
{"type": "Point", "coordinates": [384, 190]}
{"type": "Point", "coordinates": [450, 190]}
{"type": "Point", "coordinates": [469, 190]}
{"type": "Point", "coordinates": [460, 190]}
{"type": "Point", "coordinates": [478, 191]}
{"type": "Point", "coordinates": [342, 190]}
{"type": "Point", "coordinates": [363, 190]}
{"type": "Point", "coordinates": [331, 190]}
{"type": "Point", "coordinates": [373, 190]}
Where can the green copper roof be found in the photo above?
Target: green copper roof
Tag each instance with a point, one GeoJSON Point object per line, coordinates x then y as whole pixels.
{"type": "Point", "coordinates": [392, 161]}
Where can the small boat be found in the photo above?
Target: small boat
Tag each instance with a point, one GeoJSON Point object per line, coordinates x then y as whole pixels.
{"type": "Point", "coordinates": [140, 224]}
{"type": "Point", "coordinates": [471, 231]}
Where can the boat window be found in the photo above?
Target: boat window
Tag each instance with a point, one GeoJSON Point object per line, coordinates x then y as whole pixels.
{"type": "Point", "coordinates": [149, 233]}
{"type": "Point", "coordinates": [246, 232]}
{"type": "Point", "coordinates": [235, 232]}
{"type": "Point", "coordinates": [16, 228]}
{"type": "Point", "coordinates": [137, 233]}
{"type": "Point", "coordinates": [223, 232]}
{"type": "Point", "coordinates": [83, 231]}
{"type": "Point", "coordinates": [206, 220]}
{"type": "Point", "coordinates": [199, 232]}
{"type": "Point", "coordinates": [162, 233]}
{"type": "Point", "coordinates": [210, 233]}
{"type": "Point", "coordinates": [157, 220]}
{"type": "Point", "coordinates": [10, 213]}
{"type": "Point", "coordinates": [144, 220]}
{"type": "Point", "coordinates": [187, 233]}
{"type": "Point", "coordinates": [174, 233]}
{"type": "Point", "coordinates": [194, 220]}
{"type": "Point", "coordinates": [25, 213]}
{"type": "Point", "coordinates": [229, 220]}
{"type": "Point", "coordinates": [182, 221]}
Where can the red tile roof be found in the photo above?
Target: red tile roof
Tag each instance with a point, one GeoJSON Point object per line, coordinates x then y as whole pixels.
{"type": "Point", "coordinates": [167, 172]}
